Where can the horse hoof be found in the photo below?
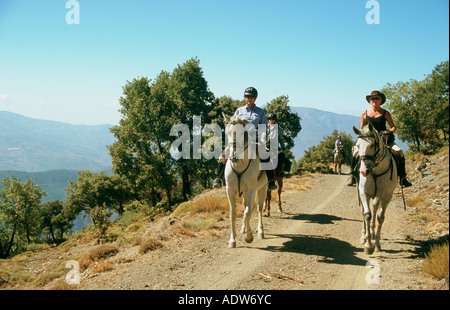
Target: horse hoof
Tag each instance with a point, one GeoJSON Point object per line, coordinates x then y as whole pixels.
{"type": "Point", "coordinates": [280, 210]}
{"type": "Point", "coordinates": [260, 235]}
{"type": "Point", "coordinates": [368, 250]}
{"type": "Point", "coordinates": [232, 244]}
{"type": "Point", "coordinates": [377, 248]}
{"type": "Point", "coordinates": [266, 214]}
{"type": "Point", "coordinates": [249, 240]}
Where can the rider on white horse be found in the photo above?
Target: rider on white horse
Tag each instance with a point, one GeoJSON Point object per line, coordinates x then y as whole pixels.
{"type": "Point", "coordinates": [256, 116]}
{"type": "Point", "coordinates": [379, 117]}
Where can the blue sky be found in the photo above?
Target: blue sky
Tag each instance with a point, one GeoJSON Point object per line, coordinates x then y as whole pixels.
{"type": "Point", "coordinates": [321, 53]}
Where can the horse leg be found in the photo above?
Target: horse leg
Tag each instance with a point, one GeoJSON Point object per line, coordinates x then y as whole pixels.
{"type": "Point", "coordinates": [248, 214]}
{"type": "Point", "coordinates": [380, 219]}
{"type": "Point", "coordinates": [373, 224]}
{"type": "Point", "coordinates": [268, 198]}
{"type": "Point", "coordinates": [232, 201]}
{"type": "Point", "coordinates": [260, 200]}
{"type": "Point", "coordinates": [243, 227]}
{"type": "Point", "coordinates": [280, 187]}
{"type": "Point", "coordinates": [367, 217]}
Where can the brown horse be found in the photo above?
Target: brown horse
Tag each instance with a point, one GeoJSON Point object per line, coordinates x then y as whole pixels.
{"type": "Point", "coordinates": [279, 180]}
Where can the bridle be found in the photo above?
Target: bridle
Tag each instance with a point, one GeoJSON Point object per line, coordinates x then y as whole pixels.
{"type": "Point", "coordinates": [376, 158]}
{"type": "Point", "coordinates": [239, 174]}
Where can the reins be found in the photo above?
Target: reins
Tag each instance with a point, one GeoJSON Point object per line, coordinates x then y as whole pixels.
{"type": "Point", "coordinates": [239, 174]}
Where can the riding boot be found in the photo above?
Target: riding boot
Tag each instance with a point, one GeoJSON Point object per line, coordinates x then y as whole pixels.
{"type": "Point", "coordinates": [354, 174]}
{"type": "Point", "coordinates": [401, 168]}
{"type": "Point", "coordinates": [272, 184]}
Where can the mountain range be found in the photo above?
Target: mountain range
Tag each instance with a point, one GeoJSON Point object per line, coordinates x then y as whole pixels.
{"type": "Point", "coordinates": [34, 145]}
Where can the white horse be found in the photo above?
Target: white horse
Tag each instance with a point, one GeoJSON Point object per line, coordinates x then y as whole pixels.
{"type": "Point", "coordinates": [338, 158]}
{"type": "Point", "coordinates": [243, 176]}
{"type": "Point", "coordinates": [378, 179]}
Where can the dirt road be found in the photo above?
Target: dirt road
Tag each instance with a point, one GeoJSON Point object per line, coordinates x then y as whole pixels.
{"type": "Point", "coordinates": [312, 245]}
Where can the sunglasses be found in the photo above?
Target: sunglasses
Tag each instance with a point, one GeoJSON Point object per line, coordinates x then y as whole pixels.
{"type": "Point", "coordinates": [250, 96]}
{"type": "Point", "coordinates": [375, 98]}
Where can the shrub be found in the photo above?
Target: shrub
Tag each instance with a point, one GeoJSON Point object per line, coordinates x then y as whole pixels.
{"type": "Point", "coordinates": [96, 252]}
{"type": "Point", "coordinates": [437, 262]}
{"type": "Point", "coordinates": [182, 208]}
{"type": "Point", "coordinates": [149, 244]}
{"type": "Point", "coordinates": [210, 204]}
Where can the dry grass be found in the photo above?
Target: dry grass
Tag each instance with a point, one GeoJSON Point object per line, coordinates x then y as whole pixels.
{"type": "Point", "coordinates": [210, 204]}
{"type": "Point", "coordinates": [182, 208]}
{"type": "Point", "coordinates": [96, 252]}
{"type": "Point", "coordinates": [436, 261]}
{"type": "Point", "coordinates": [297, 183]}
{"type": "Point", "coordinates": [199, 224]}
{"type": "Point", "coordinates": [149, 244]}
{"type": "Point", "coordinates": [417, 200]}
{"type": "Point", "coordinates": [100, 265]}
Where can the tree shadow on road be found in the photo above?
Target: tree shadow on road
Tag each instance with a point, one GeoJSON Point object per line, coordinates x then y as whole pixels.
{"type": "Point", "coordinates": [319, 218]}
{"type": "Point", "coordinates": [331, 250]}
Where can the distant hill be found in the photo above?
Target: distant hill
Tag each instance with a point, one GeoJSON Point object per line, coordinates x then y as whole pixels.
{"type": "Point", "coordinates": [33, 145]}
{"type": "Point", "coordinates": [317, 124]}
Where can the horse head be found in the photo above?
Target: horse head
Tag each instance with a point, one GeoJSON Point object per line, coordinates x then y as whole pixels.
{"type": "Point", "coordinates": [368, 144]}
{"type": "Point", "coordinates": [235, 129]}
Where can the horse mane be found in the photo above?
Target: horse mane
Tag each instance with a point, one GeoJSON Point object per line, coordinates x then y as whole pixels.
{"type": "Point", "coordinates": [235, 119]}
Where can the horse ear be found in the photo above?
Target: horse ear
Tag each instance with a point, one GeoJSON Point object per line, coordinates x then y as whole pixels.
{"type": "Point", "coordinates": [370, 126]}
{"type": "Point", "coordinates": [226, 117]}
{"type": "Point", "coordinates": [357, 131]}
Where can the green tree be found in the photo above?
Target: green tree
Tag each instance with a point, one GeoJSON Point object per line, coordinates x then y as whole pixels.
{"type": "Point", "coordinates": [94, 193]}
{"type": "Point", "coordinates": [192, 98]}
{"type": "Point", "coordinates": [141, 153]}
{"type": "Point", "coordinates": [420, 109]}
{"type": "Point", "coordinates": [56, 220]}
{"type": "Point", "coordinates": [19, 212]}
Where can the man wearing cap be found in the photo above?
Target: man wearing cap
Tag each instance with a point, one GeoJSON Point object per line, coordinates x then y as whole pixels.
{"type": "Point", "coordinates": [256, 116]}
{"type": "Point", "coordinates": [379, 117]}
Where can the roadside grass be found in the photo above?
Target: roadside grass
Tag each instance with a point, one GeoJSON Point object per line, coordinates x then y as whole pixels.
{"type": "Point", "coordinates": [437, 261]}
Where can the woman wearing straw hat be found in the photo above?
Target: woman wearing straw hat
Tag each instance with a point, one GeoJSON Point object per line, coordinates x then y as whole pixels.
{"type": "Point", "coordinates": [379, 117]}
